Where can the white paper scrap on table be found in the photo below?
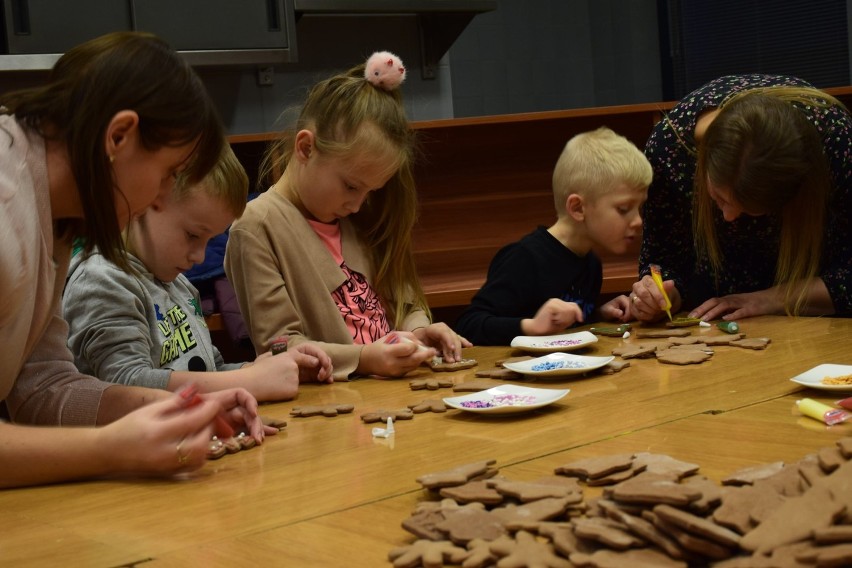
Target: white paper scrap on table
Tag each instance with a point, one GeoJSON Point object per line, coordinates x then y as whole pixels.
{"type": "Point", "coordinates": [384, 432]}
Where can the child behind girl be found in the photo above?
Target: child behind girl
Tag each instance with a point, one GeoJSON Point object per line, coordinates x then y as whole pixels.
{"type": "Point", "coordinates": [147, 329]}
{"type": "Point", "coordinates": [325, 254]}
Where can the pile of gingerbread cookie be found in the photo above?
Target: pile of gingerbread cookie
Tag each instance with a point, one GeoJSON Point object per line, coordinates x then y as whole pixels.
{"type": "Point", "coordinates": [653, 510]}
{"type": "Point", "coordinates": [680, 347]}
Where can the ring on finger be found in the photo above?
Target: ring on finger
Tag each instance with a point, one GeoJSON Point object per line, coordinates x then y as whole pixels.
{"type": "Point", "coordinates": [182, 458]}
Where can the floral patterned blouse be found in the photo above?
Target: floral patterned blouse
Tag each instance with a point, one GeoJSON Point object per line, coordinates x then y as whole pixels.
{"type": "Point", "coordinates": [749, 245]}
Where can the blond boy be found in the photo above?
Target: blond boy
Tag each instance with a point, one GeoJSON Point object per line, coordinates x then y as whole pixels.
{"type": "Point", "coordinates": [551, 278]}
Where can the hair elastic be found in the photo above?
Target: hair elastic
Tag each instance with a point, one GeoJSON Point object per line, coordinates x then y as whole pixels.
{"type": "Point", "coordinates": [384, 70]}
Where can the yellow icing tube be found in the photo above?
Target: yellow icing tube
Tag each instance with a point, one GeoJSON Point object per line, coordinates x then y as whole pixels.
{"type": "Point", "coordinates": [657, 275]}
{"type": "Point", "coordinates": [822, 412]}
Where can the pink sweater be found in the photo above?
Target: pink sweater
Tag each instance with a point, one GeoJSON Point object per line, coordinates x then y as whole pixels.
{"type": "Point", "coordinates": [38, 379]}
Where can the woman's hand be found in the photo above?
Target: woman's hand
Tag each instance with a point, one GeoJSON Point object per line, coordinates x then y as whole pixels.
{"type": "Point", "coordinates": [739, 306]}
{"type": "Point", "coordinates": [240, 411]}
{"type": "Point", "coordinates": [647, 301]}
{"type": "Point", "coordinates": [162, 438]}
{"type": "Point", "coordinates": [446, 341]}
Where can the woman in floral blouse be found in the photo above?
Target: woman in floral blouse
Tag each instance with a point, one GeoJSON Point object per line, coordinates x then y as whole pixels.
{"type": "Point", "coordinates": [750, 210]}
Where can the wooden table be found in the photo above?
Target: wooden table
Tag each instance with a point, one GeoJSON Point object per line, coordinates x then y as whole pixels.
{"type": "Point", "coordinates": [325, 492]}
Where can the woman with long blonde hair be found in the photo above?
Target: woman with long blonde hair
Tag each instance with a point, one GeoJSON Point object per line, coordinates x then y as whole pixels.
{"type": "Point", "coordinates": [749, 211]}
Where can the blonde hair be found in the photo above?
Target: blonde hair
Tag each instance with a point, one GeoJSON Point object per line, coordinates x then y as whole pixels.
{"type": "Point", "coordinates": [227, 181]}
{"type": "Point", "coordinates": [595, 162]}
{"type": "Point", "coordinates": [771, 157]}
{"type": "Point", "coordinates": [350, 117]}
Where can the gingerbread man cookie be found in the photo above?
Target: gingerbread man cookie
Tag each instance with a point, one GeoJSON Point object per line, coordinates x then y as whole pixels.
{"type": "Point", "coordinates": [428, 405]}
{"type": "Point", "coordinates": [437, 364]}
{"type": "Point", "coordinates": [328, 410]}
{"type": "Point", "coordinates": [430, 384]}
{"type": "Point", "coordinates": [383, 415]}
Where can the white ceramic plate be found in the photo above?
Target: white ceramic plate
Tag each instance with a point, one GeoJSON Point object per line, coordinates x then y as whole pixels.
{"type": "Point", "coordinates": [506, 399]}
{"type": "Point", "coordinates": [557, 364]}
{"type": "Point", "coordinates": [813, 377]}
{"type": "Point", "coordinates": [551, 343]}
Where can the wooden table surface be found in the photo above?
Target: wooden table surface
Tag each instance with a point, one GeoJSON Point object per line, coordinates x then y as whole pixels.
{"type": "Point", "coordinates": [325, 492]}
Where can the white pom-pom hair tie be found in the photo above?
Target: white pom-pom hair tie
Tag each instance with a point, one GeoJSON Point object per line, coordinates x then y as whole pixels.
{"type": "Point", "coordinates": [385, 70]}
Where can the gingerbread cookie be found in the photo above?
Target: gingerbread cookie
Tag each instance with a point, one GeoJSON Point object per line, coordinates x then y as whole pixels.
{"type": "Point", "coordinates": [430, 384]}
{"type": "Point", "coordinates": [683, 322]}
{"type": "Point", "coordinates": [740, 502]}
{"type": "Point", "coordinates": [698, 545]}
{"type": "Point", "coordinates": [617, 331]}
{"type": "Point", "coordinates": [642, 528]}
{"type": "Point", "coordinates": [752, 342]}
{"type": "Point", "coordinates": [637, 558]}
{"type": "Point", "coordinates": [794, 520]}
{"type": "Point", "coordinates": [635, 351]}
{"type": "Point", "coordinates": [499, 374]}
{"type": "Point", "coordinates": [527, 552]}
{"type": "Point", "coordinates": [328, 410]}
{"type": "Point", "coordinates": [525, 491]}
{"type": "Point", "coordinates": [698, 525]}
{"type": "Point", "coordinates": [274, 422]}
{"type": "Point", "coordinates": [716, 340]}
{"type": "Point", "coordinates": [428, 405]}
{"type": "Point", "coordinates": [216, 449]}
{"type": "Point", "coordinates": [651, 489]}
{"type": "Point", "coordinates": [478, 491]}
{"type": "Point", "coordinates": [749, 475]}
{"type": "Point", "coordinates": [474, 386]}
{"type": "Point", "coordinates": [614, 367]}
{"type": "Point", "coordinates": [518, 359]}
{"type": "Point", "coordinates": [607, 532]}
{"type": "Point", "coordinates": [458, 475]}
{"type": "Point", "coordinates": [479, 553]}
{"type": "Point", "coordinates": [596, 467]}
{"type": "Point", "coordinates": [427, 553]}
{"type": "Point", "coordinates": [423, 523]}
{"type": "Point", "coordinates": [663, 465]}
{"type": "Point", "coordinates": [663, 333]}
{"type": "Point", "coordinates": [383, 415]}
{"type": "Point", "coordinates": [437, 364]}
{"type": "Point", "coordinates": [682, 356]}
{"type": "Point", "coordinates": [467, 524]}
{"type": "Point", "coordinates": [521, 516]}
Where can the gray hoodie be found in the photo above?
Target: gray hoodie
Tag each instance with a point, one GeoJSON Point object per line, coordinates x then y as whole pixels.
{"type": "Point", "coordinates": [133, 329]}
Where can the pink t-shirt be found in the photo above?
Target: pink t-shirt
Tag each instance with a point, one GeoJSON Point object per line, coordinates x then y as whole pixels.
{"type": "Point", "coordinates": [357, 301]}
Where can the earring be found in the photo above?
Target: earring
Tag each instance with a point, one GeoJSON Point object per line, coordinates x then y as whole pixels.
{"type": "Point", "coordinates": [111, 158]}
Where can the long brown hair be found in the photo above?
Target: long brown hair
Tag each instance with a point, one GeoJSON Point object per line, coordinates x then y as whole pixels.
{"type": "Point", "coordinates": [349, 115]}
{"type": "Point", "coordinates": [770, 155]}
{"type": "Point", "coordinates": [86, 88]}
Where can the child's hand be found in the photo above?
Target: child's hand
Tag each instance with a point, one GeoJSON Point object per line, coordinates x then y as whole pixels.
{"type": "Point", "coordinates": [552, 317]}
{"type": "Point", "coordinates": [314, 363]}
{"type": "Point", "coordinates": [272, 377]}
{"type": "Point", "coordinates": [393, 359]}
{"type": "Point", "coordinates": [617, 309]}
{"type": "Point", "coordinates": [447, 342]}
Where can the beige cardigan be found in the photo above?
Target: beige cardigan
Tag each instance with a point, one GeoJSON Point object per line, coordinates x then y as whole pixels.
{"type": "Point", "coordinates": [284, 277]}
